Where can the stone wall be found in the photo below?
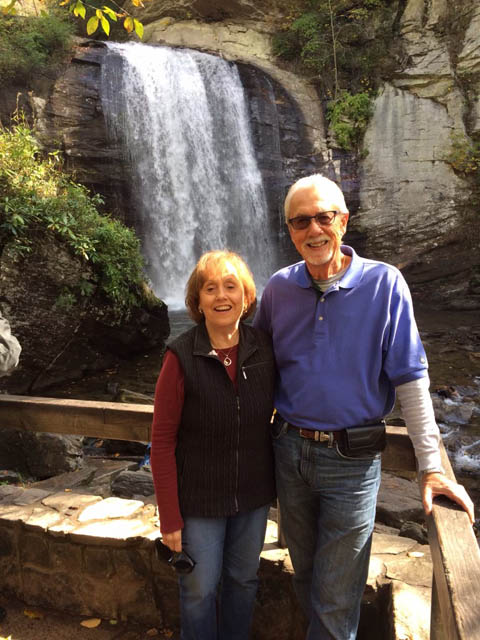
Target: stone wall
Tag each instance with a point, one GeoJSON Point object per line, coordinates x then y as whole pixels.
{"type": "Point", "coordinates": [65, 547]}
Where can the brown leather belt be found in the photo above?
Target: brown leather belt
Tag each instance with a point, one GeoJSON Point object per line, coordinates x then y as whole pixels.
{"type": "Point", "coordinates": [318, 436]}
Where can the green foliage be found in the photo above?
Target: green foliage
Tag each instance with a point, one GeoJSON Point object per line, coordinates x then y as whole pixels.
{"type": "Point", "coordinates": [342, 40]}
{"type": "Point", "coordinates": [66, 300]}
{"type": "Point", "coordinates": [36, 198]}
{"type": "Point", "coordinates": [28, 45]}
{"type": "Point", "coordinates": [349, 116]}
{"type": "Point", "coordinates": [464, 156]}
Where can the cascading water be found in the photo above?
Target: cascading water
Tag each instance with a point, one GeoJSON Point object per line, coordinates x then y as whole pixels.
{"type": "Point", "coordinates": [182, 119]}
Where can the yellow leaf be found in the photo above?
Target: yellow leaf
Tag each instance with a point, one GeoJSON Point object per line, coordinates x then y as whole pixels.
{"type": "Point", "coordinates": [99, 13]}
{"type": "Point", "coordinates": [105, 25]}
{"type": "Point", "coordinates": [110, 13]}
{"type": "Point", "coordinates": [63, 3]}
{"type": "Point", "coordinates": [92, 25]}
{"type": "Point", "coordinates": [137, 3]}
{"type": "Point", "coordinates": [34, 615]}
{"type": "Point", "coordinates": [128, 24]}
{"type": "Point", "coordinates": [138, 28]}
{"type": "Point", "coordinates": [79, 9]}
{"type": "Point", "coordinates": [91, 623]}
{"type": "Point", "coordinates": [9, 8]}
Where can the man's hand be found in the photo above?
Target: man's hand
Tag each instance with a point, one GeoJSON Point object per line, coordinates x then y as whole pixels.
{"type": "Point", "coordinates": [437, 484]}
{"type": "Point", "coordinates": [173, 540]}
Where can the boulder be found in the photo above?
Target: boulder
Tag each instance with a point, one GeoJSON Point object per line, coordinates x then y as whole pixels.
{"type": "Point", "coordinates": [39, 455]}
{"type": "Point", "coordinates": [66, 342]}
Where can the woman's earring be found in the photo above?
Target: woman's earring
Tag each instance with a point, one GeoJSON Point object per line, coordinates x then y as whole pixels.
{"type": "Point", "coordinates": [200, 310]}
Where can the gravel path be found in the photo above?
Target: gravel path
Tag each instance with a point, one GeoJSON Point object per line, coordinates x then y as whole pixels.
{"type": "Point", "coordinates": [52, 625]}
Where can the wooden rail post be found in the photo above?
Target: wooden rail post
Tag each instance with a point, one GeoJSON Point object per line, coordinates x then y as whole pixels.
{"type": "Point", "coordinates": [455, 613]}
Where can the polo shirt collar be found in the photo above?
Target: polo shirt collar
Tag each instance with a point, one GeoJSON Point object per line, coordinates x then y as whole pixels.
{"type": "Point", "coordinates": [350, 279]}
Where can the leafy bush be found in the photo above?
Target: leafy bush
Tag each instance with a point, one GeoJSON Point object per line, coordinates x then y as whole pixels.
{"type": "Point", "coordinates": [36, 198]}
{"type": "Point", "coordinates": [464, 156]}
{"type": "Point", "coordinates": [29, 44]}
{"type": "Point", "coordinates": [349, 116]}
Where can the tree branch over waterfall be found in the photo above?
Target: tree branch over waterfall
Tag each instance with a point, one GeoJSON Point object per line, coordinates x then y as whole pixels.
{"type": "Point", "coordinates": [98, 16]}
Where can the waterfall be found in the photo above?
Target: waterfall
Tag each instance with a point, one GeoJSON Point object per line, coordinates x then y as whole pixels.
{"type": "Point", "coordinates": [181, 118]}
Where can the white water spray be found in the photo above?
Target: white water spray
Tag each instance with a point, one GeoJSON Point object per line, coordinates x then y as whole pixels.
{"type": "Point", "coordinates": [182, 119]}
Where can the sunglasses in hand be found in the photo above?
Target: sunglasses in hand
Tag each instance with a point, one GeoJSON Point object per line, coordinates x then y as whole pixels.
{"type": "Point", "coordinates": [178, 560]}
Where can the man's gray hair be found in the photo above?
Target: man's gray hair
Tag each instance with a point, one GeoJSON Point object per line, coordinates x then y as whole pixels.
{"type": "Point", "coordinates": [325, 186]}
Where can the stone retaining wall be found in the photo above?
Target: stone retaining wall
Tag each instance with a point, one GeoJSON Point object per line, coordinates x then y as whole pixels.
{"type": "Point", "coordinates": [70, 550]}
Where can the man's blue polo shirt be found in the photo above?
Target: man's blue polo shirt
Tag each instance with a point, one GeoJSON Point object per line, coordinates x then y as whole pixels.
{"type": "Point", "coordinates": [340, 355]}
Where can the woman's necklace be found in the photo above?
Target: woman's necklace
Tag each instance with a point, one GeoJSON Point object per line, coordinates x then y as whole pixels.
{"type": "Point", "coordinates": [227, 361]}
{"type": "Point", "coordinates": [224, 353]}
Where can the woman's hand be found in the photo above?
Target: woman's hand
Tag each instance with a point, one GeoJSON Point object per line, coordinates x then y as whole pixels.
{"type": "Point", "coordinates": [173, 540]}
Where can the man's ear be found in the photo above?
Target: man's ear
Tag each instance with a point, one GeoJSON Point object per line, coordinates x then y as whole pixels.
{"type": "Point", "coordinates": [344, 221]}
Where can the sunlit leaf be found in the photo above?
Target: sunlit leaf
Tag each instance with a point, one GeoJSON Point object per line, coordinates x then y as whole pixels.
{"type": "Point", "coordinates": [92, 25]}
{"type": "Point", "coordinates": [105, 25]}
{"type": "Point", "coordinates": [9, 8]}
{"type": "Point", "coordinates": [138, 28]}
{"type": "Point", "coordinates": [110, 13]}
{"type": "Point", "coordinates": [137, 3]}
{"type": "Point", "coordinates": [63, 3]}
{"type": "Point", "coordinates": [35, 615]}
{"type": "Point", "coordinates": [79, 9]}
{"type": "Point", "coordinates": [99, 13]}
{"type": "Point", "coordinates": [128, 24]}
{"type": "Point", "coordinates": [91, 623]}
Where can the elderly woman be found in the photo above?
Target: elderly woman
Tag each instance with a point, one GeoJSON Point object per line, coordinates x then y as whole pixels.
{"type": "Point", "coordinates": [211, 453]}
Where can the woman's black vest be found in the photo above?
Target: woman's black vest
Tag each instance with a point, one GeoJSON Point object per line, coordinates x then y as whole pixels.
{"type": "Point", "coordinates": [224, 452]}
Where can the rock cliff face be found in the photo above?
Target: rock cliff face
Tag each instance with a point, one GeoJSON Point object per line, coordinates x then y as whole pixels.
{"type": "Point", "coordinates": [415, 211]}
{"type": "Point", "coordinates": [64, 342]}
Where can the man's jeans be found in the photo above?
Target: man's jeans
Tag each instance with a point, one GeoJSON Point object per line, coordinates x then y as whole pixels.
{"type": "Point", "coordinates": [226, 552]}
{"type": "Point", "coordinates": [327, 504]}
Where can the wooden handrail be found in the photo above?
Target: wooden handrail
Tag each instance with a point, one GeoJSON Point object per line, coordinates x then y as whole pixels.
{"type": "Point", "coordinates": [456, 569]}
{"type": "Point", "coordinates": [112, 420]}
{"type": "Point", "coordinates": [455, 553]}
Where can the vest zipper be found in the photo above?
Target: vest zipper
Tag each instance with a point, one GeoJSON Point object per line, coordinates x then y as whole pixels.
{"type": "Point", "coordinates": [236, 453]}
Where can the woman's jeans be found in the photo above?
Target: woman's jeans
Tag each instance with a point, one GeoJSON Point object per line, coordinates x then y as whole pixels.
{"type": "Point", "coordinates": [227, 556]}
{"type": "Point", "coordinates": [327, 504]}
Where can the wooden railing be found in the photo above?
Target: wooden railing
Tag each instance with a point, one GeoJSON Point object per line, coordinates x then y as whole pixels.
{"type": "Point", "coordinates": [454, 549]}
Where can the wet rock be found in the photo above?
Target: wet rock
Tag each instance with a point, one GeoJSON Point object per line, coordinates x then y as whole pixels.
{"type": "Point", "coordinates": [414, 531]}
{"type": "Point", "coordinates": [452, 411]}
{"type": "Point", "coordinates": [133, 483]}
{"type": "Point", "coordinates": [399, 501]}
{"type": "Point", "coordinates": [40, 455]}
{"type": "Point", "coordinates": [7, 475]}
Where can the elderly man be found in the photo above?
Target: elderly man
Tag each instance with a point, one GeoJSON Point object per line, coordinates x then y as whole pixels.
{"type": "Point", "coordinates": [9, 348]}
{"type": "Point", "coordinates": [345, 343]}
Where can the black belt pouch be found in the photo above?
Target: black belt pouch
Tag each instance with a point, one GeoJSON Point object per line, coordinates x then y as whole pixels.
{"type": "Point", "coordinates": [363, 441]}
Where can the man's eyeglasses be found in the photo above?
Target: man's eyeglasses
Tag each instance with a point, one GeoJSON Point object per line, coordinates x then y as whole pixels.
{"type": "Point", "coordinates": [324, 219]}
{"type": "Point", "coordinates": [178, 560]}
